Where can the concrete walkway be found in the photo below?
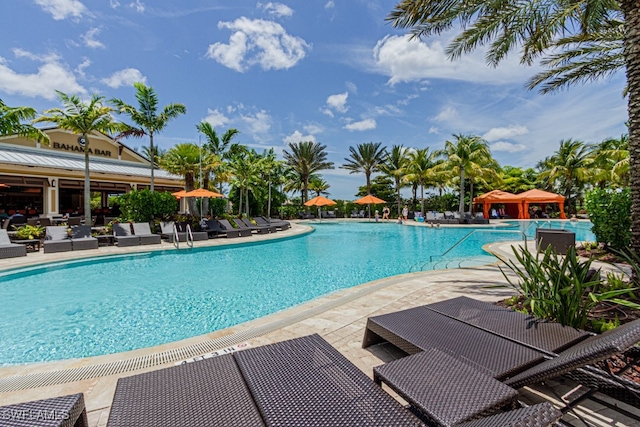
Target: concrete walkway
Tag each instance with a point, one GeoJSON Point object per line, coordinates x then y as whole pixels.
{"type": "Point", "coordinates": [339, 318]}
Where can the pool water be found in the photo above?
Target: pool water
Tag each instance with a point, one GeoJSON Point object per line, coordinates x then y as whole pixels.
{"type": "Point", "coordinates": [114, 304]}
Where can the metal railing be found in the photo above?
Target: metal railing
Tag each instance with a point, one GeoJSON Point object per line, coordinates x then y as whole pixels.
{"type": "Point", "coordinates": [189, 236]}
{"type": "Point", "coordinates": [536, 223]}
{"type": "Point", "coordinates": [176, 238]}
{"type": "Point", "coordinates": [432, 258]}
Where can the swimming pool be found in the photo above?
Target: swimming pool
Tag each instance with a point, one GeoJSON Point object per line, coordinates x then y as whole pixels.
{"type": "Point", "coordinates": [114, 304]}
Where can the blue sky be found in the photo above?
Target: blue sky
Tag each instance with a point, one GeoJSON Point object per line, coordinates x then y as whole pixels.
{"type": "Point", "coordinates": [331, 71]}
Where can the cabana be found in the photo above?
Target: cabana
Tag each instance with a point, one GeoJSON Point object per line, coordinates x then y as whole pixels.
{"type": "Point", "coordinates": [542, 197]}
{"type": "Point", "coordinates": [512, 202]}
{"type": "Point", "coordinates": [517, 205]}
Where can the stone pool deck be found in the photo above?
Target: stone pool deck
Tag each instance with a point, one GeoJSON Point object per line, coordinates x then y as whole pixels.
{"type": "Point", "coordinates": [339, 318]}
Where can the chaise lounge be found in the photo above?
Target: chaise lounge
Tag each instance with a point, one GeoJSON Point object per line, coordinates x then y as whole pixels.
{"type": "Point", "coordinates": [57, 240]}
{"type": "Point", "coordinates": [8, 249]}
{"type": "Point", "coordinates": [226, 226]}
{"type": "Point", "coordinates": [303, 381]}
{"type": "Point", "coordinates": [143, 231]}
{"type": "Point", "coordinates": [123, 236]}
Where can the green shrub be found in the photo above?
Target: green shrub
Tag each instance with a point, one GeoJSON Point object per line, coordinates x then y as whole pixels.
{"type": "Point", "coordinates": [563, 289]}
{"type": "Point", "coordinates": [29, 232]}
{"type": "Point", "coordinates": [610, 213]}
{"type": "Point", "coordinates": [144, 206]}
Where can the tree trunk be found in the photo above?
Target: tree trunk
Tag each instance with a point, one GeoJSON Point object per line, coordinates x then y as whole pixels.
{"type": "Point", "coordinates": [471, 195]}
{"type": "Point", "coordinates": [399, 197]}
{"type": "Point", "coordinates": [152, 159]}
{"type": "Point", "coordinates": [87, 182]}
{"type": "Point", "coordinates": [461, 204]}
{"type": "Point", "coordinates": [422, 198]}
{"type": "Point", "coordinates": [631, 9]}
{"type": "Point", "coordinates": [240, 194]}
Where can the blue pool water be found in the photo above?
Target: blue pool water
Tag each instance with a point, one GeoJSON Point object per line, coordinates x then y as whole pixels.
{"type": "Point", "coordinates": [113, 304]}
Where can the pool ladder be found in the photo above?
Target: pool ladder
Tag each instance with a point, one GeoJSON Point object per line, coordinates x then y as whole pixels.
{"type": "Point", "coordinates": [432, 258]}
{"type": "Point", "coordinates": [176, 238]}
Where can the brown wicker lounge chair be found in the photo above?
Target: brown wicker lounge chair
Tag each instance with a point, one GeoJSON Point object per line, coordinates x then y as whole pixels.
{"type": "Point", "coordinates": [63, 411]}
{"type": "Point", "coordinates": [226, 226]}
{"type": "Point", "coordinates": [8, 249]}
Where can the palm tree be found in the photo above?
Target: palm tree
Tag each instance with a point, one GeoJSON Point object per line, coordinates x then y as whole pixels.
{"type": "Point", "coordinates": [540, 28]}
{"type": "Point", "coordinates": [569, 167]}
{"type": "Point", "coordinates": [421, 169]}
{"type": "Point", "coordinates": [394, 166]}
{"type": "Point", "coordinates": [147, 118]}
{"type": "Point", "coordinates": [11, 123]}
{"type": "Point", "coordinates": [245, 165]}
{"type": "Point", "coordinates": [83, 119]}
{"type": "Point", "coordinates": [218, 146]}
{"type": "Point", "coordinates": [319, 186]}
{"type": "Point", "coordinates": [611, 162]}
{"type": "Point", "coordinates": [464, 157]}
{"type": "Point", "coordinates": [156, 154]}
{"type": "Point", "coordinates": [365, 158]}
{"type": "Point", "coordinates": [306, 158]}
{"type": "Point", "coordinates": [183, 159]}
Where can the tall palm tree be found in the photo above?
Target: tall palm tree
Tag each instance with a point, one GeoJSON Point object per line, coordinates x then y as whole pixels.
{"type": "Point", "coordinates": [11, 123]}
{"type": "Point", "coordinates": [463, 157]}
{"type": "Point", "coordinates": [365, 158]}
{"type": "Point", "coordinates": [569, 167]}
{"type": "Point", "coordinates": [421, 169]}
{"type": "Point", "coordinates": [157, 153]}
{"type": "Point", "coordinates": [83, 119]}
{"type": "Point", "coordinates": [394, 166]}
{"type": "Point", "coordinates": [218, 145]}
{"type": "Point", "coordinates": [146, 117]}
{"type": "Point", "coordinates": [245, 165]}
{"type": "Point", "coordinates": [306, 158]}
{"type": "Point", "coordinates": [183, 159]}
{"type": "Point", "coordinates": [538, 29]}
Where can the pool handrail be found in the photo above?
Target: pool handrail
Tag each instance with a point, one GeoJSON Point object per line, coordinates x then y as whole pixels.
{"type": "Point", "coordinates": [537, 222]}
{"type": "Point", "coordinates": [459, 242]}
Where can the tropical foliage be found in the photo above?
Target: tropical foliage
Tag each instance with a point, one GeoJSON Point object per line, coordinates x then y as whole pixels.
{"type": "Point", "coordinates": [306, 158]}
{"type": "Point", "coordinates": [610, 213]}
{"type": "Point", "coordinates": [145, 206]}
{"type": "Point", "coordinates": [83, 118]}
{"type": "Point", "coordinates": [146, 118]}
{"type": "Point", "coordinates": [12, 123]}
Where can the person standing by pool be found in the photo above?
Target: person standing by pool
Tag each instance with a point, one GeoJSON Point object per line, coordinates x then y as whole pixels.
{"type": "Point", "coordinates": [376, 215]}
{"type": "Point", "coordinates": [385, 213]}
{"type": "Point", "coordinates": [405, 212]}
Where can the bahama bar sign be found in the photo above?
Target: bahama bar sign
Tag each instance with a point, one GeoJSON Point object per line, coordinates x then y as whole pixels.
{"type": "Point", "coordinates": [78, 148]}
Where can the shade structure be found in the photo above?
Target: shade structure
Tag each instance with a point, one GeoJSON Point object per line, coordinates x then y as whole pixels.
{"type": "Point", "coordinates": [319, 201]}
{"type": "Point", "coordinates": [542, 197]}
{"type": "Point", "coordinates": [179, 194]}
{"type": "Point", "coordinates": [502, 197]}
{"type": "Point", "coordinates": [202, 192]}
{"type": "Point", "coordinates": [369, 200]}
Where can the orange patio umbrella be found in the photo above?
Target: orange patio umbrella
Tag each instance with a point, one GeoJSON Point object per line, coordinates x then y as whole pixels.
{"type": "Point", "coordinates": [369, 200]}
{"type": "Point", "coordinates": [319, 201]}
{"type": "Point", "coordinates": [179, 194]}
{"type": "Point", "coordinates": [202, 192]}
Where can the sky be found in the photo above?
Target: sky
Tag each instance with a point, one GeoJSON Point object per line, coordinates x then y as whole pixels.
{"type": "Point", "coordinates": [329, 71]}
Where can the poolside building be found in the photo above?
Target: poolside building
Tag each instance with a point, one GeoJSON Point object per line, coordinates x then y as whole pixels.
{"type": "Point", "coordinates": [48, 179]}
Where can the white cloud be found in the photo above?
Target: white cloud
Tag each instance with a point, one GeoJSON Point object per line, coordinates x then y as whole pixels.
{"type": "Point", "coordinates": [313, 128]}
{"type": "Point", "coordinates": [330, 5]}
{"type": "Point", "coordinates": [137, 5]}
{"type": "Point", "coordinates": [508, 147]}
{"type": "Point", "coordinates": [125, 77]}
{"type": "Point", "coordinates": [434, 129]}
{"type": "Point", "coordinates": [216, 118]}
{"type": "Point", "coordinates": [259, 123]}
{"type": "Point", "coordinates": [509, 132]}
{"type": "Point", "coordinates": [338, 102]}
{"type": "Point", "coordinates": [51, 76]}
{"type": "Point", "coordinates": [447, 114]}
{"type": "Point", "coordinates": [89, 39]}
{"type": "Point", "coordinates": [366, 124]}
{"type": "Point", "coordinates": [297, 136]}
{"type": "Point", "coordinates": [276, 9]}
{"type": "Point", "coordinates": [81, 67]}
{"type": "Point", "coordinates": [114, 4]}
{"type": "Point", "coordinates": [352, 87]}
{"type": "Point", "coordinates": [258, 42]}
{"type": "Point", "coordinates": [48, 57]}
{"type": "Point", "coordinates": [62, 9]}
{"type": "Point", "coordinates": [408, 60]}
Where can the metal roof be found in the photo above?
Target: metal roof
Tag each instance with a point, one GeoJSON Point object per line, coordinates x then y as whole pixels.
{"type": "Point", "coordinates": [34, 157]}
